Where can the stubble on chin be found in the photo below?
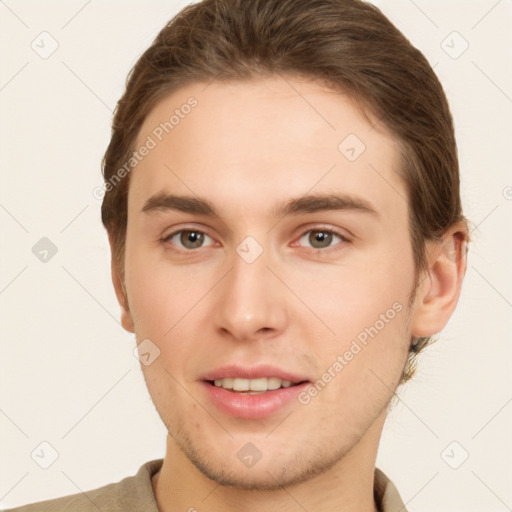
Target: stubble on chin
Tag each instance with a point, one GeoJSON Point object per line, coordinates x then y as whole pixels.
{"type": "Point", "coordinates": [298, 468]}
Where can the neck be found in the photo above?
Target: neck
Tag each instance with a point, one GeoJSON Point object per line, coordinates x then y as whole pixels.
{"type": "Point", "coordinates": [347, 486]}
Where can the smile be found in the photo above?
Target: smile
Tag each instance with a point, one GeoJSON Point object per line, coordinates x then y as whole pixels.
{"type": "Point", "coordinates": [253, 386]}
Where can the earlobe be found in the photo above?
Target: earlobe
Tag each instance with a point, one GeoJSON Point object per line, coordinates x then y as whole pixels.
{"type": "Point", "coordinates": [439, 292]}
{"type": "Point", "coordinates": [126, 317]}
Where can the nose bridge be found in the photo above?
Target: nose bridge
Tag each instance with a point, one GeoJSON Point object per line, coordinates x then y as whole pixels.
{"type": "Point", "coordinates": [251, 300]}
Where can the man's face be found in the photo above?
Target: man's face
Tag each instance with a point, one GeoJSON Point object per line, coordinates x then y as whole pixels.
{"type": "Point", "coordinates": [310, 295]}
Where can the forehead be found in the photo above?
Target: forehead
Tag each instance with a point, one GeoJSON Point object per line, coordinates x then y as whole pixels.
{"type": "Point", "coordinates": [263, 140]}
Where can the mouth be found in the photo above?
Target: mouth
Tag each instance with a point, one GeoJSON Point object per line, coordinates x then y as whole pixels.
{"type": "Point", "coordinates": [252, 392]}
{"type": "Point", "coordinates": [257, 386]}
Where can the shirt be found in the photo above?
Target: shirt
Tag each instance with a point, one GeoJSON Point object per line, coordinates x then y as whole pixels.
{"type": "Point", "coordinates": [135, 494]}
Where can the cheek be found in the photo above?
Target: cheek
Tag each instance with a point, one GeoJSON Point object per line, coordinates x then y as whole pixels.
{"type": "Point", "coordinates": [158, 293]}
{"type": "Point", "coordinates": [360, 366]}
{"type": "Point", "coordinates": [165, 302]}
{"type": "Point", "coordinates": [366, 306]}
{"type": "Point", "coordinates": [348, 298]}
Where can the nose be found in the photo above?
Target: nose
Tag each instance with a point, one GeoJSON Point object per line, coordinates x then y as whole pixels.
{"type": "Point", "coordinates": [251, 301]}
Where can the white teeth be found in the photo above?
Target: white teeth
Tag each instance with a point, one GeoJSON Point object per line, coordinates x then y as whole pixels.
{"type": "Point", "coordinates": [274, 383]}
{"type": "Point", "coordinates": [224, 382]}
{"type": "Point", "coordinates": [259, 385]}
{"type": "Point", "coordinates": [241, 384]}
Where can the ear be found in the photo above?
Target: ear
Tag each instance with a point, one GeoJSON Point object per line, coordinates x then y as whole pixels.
{"type": "Point", "coordinates": [438, 292]}
{"type": "Point", "coordinates": [126, 317]}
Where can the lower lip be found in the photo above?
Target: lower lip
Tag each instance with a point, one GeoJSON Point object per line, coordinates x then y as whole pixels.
{"type": "Point", "coordinates": [242, 405]}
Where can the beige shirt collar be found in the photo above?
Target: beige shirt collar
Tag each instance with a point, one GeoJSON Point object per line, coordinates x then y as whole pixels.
{"type": "Point", "coordinates": [386, 494]}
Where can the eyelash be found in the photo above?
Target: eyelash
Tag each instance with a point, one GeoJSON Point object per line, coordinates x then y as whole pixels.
{"type": "Point", "coordinates": [319, 229]}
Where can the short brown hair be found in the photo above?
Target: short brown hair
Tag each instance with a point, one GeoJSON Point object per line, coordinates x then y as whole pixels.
{"type": "Point", "coordinates": [348, 44]}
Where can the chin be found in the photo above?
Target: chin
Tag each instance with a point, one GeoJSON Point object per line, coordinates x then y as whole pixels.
{"type": "Point", "coordinates": [247, 467]}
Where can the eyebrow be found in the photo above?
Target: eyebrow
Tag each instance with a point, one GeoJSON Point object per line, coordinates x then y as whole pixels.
{"type": "Point", "coordinates": [162, 202]}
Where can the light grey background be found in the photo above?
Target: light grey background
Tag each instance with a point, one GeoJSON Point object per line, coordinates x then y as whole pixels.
{"type": "Point", "coordinates": [68, 374]}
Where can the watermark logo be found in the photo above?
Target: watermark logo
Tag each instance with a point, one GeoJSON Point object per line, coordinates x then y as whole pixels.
{"type": "Point", "coordinates": [249, 455]}
{"type": "Point", "coordinates": [249, 249]}
{"type": "Point", "coordinates": [454, 45]}
{"type": "Point", "coordinates": [455, 455]}
{"type": "Point", "coordinates": [44, 250]}
{"type": "Point", "coordinates": [146, 352]}
{"type": "Point", "coordinates": [44, 455]}
{"type": "Point", "coordinates": [45, 45]}
{"type": "Point", "coordinates": [351, 147]}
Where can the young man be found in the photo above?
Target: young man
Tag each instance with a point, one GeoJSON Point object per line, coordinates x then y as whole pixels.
{"type": "Point", "coordinates": [282, 204]}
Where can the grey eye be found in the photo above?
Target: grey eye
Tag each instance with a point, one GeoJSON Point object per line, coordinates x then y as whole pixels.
{"type": "Point", "coordinates": [188, 238]}
{"type": "Point", "coordinates": [319, 238]}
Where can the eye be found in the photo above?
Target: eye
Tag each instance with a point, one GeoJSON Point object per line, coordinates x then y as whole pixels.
{"type": "Point", "coordinates": [188, 238]}
{"type": "Point", "coordinates": [322, 238]}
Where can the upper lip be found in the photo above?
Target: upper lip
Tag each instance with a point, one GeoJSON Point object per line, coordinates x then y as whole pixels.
{"type": "Point", "coordinates": [252, 372]}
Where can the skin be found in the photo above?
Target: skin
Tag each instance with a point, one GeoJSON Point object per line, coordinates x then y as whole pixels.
{"type": "Point", "coordinates": [246, 148]}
